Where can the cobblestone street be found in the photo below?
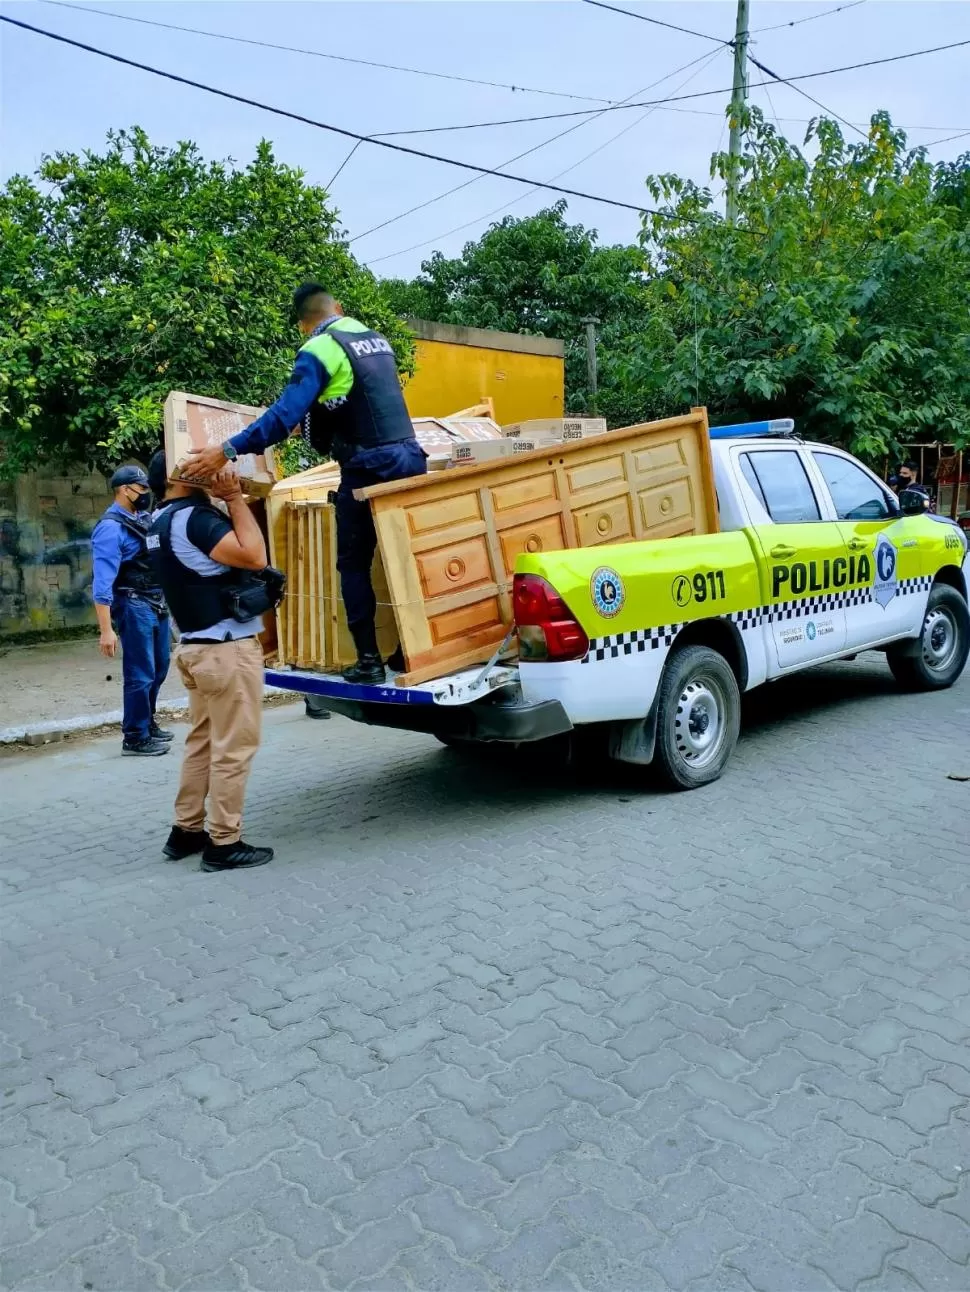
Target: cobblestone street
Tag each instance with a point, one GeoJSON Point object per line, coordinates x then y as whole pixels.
{"type": "Point", "coordinates": [497, 1027]}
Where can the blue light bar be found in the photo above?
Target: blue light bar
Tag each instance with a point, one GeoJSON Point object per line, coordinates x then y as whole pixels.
{"type": "Point", "coordinates": [745, 430]}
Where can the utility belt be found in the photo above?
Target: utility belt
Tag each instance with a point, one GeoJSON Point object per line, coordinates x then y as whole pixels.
{"type": "Point", "coordinates": [154, 598]}
{"type": "Point", "coordinates": [343, 452]}
{"type": "Point", "coordinates": [262, 591]}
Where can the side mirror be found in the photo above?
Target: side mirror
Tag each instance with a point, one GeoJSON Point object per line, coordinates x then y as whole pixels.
{"type": "Point", "coordinates": [912, 502]}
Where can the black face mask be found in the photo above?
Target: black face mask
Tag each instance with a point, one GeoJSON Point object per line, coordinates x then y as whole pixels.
{"type": "Point", "coordinates": [142, 502]}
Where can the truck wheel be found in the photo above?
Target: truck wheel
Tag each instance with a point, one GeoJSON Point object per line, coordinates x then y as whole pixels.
{"type": "Point", "coordinates": [698, 717]}
{"type": "Point", "coordinates": [937, 658]}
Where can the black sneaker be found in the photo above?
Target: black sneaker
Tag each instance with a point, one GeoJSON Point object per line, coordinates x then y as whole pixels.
{"type": "Point", "coordinates": [234, 856]}
{"type": "Point", "coordinates": [144, 748]}
{"type": "Point", "coordinates": [185, 843]}
{"type": "Point", "coordinates": [159, 733]}
{"type": "Point", "coordinates": [368, 671]}
{"type": "Point", "coordinates": [309, 706]}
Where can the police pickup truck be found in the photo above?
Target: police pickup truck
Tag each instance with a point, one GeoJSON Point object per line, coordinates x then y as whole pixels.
{"type": "Point", "coordinates": [815, 560]}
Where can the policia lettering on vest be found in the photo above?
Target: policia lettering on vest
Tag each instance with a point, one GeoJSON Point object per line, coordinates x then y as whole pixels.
{"type": "Point", "coordinates": [131, 610]}
{"type": "Point", "coordinates": [346, 396]}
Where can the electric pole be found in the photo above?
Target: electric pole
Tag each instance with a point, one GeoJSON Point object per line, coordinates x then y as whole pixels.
{"type": "Point", "coordinates": [591, 361]}
{"type": "Point", "coordinates": [739, 96]}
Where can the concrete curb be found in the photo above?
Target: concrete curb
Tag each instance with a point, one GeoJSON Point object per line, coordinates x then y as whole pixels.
{"type": "Point", "coordinates": [56, 729]}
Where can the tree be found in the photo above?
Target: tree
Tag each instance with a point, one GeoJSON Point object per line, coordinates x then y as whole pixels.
{"type": "Point", "coordinates": [839, 299]}
{"type": "Point", "coordinates": [145, 269]}
{"type": "Point", "coordinates": [543, 276]}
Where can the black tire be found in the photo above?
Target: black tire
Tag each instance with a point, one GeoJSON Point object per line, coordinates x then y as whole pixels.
{"type": "Point", "coordinates": [938, 656]}
{"type": "Point", "coordinates": [698, 717]}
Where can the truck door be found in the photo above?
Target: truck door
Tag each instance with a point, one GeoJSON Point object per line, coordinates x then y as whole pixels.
{"type": "Point", "coordinates": [805, 557]}
{"type": "Point", "coordinates": [876, 534]}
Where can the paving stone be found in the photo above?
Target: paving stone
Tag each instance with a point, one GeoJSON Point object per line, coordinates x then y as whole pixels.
{"type": "Point", "coordinates": [432, 1268]}
{"type": "Point", "coordinates": [369, 1251]}
{"type": "Point", "coordinates": [756, 1048]}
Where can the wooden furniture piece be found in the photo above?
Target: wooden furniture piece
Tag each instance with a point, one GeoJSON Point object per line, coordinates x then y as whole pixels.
{"type": "Point", "coordinates": [448, 541]}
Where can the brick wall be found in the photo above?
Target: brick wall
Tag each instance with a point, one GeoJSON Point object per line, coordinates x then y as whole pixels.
{"type": "Point", "coordinates": [45, 549]}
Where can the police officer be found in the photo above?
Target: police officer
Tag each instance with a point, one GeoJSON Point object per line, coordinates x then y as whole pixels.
{"type": "Point", "coordinates": [345, 393]}
{"type": "Point", "coordinates": [130, 607]}
{"type": "Point", "coordinates": [212, 566]}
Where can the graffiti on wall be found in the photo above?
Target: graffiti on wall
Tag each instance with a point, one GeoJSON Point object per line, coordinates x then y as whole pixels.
{"type": "Point", "coordinates": [45, 550]}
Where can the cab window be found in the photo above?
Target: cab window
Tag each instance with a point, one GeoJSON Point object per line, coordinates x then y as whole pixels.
{"type": "Point", "coordinates": [779, 479]}
{"type": "Point", "coordinates": [855, 494]}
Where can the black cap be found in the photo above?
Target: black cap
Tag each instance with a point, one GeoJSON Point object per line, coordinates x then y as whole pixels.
{"type": "Point", "coordinates": [129, 475]}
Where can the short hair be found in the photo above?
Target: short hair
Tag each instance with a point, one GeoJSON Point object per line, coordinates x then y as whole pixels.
{"type": "Point", "coordinates": [311, 299]}
{"type": "Point", "coordinates": [158, 474]}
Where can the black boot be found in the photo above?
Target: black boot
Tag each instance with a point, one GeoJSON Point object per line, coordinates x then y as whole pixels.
{"type": "Point", "coordinates": [312, 709]}
{"type": "Point", "coordinates": [234, 856]}
{"type": "Point", "coordinates": [144, 748]}
{"type": "Point", "coordinates": [368, 671]}
{"type": "Point", "coordinates": [185, 843]}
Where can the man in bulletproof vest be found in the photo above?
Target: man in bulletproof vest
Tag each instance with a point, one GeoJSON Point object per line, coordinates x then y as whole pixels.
{"type": "Point", "coordinates": [346, 395]}
{"type": "Point", "coordinates": [131, 609]}
{"type": "Point", "coordinates": [211, 565]}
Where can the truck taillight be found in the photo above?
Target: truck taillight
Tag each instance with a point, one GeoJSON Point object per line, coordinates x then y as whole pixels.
{"type": "Point", "coordinates": [547, 629]}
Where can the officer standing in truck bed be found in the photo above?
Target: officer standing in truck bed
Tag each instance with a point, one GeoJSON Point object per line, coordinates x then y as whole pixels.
{"type": "Point", "coordinates": [346, 394]}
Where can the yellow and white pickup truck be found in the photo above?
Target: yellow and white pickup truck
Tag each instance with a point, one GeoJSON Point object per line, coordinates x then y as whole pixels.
{"type": "Point", "coordinates": [815, 560]}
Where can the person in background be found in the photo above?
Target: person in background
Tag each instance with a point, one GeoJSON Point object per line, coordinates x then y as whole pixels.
{"type": "Point", "coordinates": [907, 477]}
{"type": "Point", "coordinates": [345, 385]}
{"type": "Point", "coordinates": [131, 609]}
{"type": "Point", "coordinates": [206, 559]}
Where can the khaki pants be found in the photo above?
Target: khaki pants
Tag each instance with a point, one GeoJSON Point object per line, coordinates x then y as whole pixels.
{"type": "Point", "coordinates": [225, 685]}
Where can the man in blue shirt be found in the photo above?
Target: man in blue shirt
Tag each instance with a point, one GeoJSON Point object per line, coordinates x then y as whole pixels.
{"type": "Point", "coordinates": [346, 395]}
{"type": "Point", "coordinates": [130, 608]}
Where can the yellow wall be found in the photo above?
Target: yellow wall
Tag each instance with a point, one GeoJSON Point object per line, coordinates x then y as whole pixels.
{"type": "Point", "coordinates": [452, 376]}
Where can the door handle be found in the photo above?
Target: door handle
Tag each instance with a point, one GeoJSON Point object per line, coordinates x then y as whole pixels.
{"type": "Point", "coordinates": [782, 552]}
{"type": "Point", "coordinates": [857, 544]}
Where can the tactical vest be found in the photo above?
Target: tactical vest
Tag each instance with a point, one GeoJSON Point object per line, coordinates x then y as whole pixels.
{"type": "Point", "coordinates": [138, 573]}
{"type": "Point", "coordinates": [197, 601]}
{"type": "Point", "coordinates": [373, 411]}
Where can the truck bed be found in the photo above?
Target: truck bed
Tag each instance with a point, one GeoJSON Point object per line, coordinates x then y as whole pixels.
{"type": "Point", "coordinates": [448, 541]}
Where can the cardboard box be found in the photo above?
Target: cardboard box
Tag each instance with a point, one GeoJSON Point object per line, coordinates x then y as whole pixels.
{"type": "Point", "coordinates": [196, 422]}
{"type": "Point", "coordinates": [490, 450]}
{"type": "Point", "coordinates": [557, 428]}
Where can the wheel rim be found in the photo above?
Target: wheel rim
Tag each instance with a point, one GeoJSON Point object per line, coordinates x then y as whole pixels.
{"type": "Point", "coordinates": [699, 721]}
{"type": "Point", "coordinates": [940, 639]}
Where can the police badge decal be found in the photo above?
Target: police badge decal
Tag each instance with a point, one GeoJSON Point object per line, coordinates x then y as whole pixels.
{"type": "Point", "coordinates": [606, 589]}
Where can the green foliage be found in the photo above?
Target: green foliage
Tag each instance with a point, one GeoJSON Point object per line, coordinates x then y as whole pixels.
{"type": "Point", "coordinates": [543, 276]}
{"type": "Point", "coordinates": [840, 299]}
{"type": "Point", "coordinates": [143, 270]}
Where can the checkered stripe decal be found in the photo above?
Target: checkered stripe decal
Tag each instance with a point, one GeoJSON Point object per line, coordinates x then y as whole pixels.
{"type": "Point", "coordinates": [632, 643]}
{"type": "Point", "coordinates": [644, 639]}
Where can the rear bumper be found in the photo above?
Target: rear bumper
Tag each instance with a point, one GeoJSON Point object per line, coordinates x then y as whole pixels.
{"type": "Point", "coordinates": [496, 717]}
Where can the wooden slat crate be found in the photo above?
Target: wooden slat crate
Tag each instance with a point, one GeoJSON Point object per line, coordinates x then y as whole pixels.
{"type": "Point", "coordinates": [449, 540]}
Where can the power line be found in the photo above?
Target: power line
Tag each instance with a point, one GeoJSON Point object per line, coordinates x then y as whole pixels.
{"type": "Point", "coordinates": [322, 125]}
{"type": "Point", "coordinates": [417, 246]}
{"type": "Point", "coordinates": [431, 201]}
{"type": "Point", "coordinates": [695, 94]}
{"type": "Point", "coordinates": [797, 22]}
{"type": "Point", "coordinates": [805, 95]}
{"type": "Point", "coordinates": [658, 22]}
{"type": "Point", "coordinates": [333, 178]}
{"type": "Point", "coordinates": [316, 53]}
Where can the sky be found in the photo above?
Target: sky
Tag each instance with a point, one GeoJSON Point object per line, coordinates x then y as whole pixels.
{"type": "Point", "coordinates": [56, 98]}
